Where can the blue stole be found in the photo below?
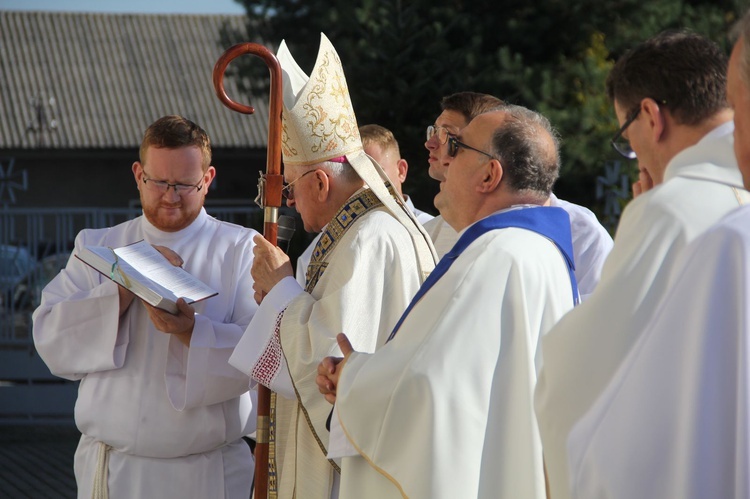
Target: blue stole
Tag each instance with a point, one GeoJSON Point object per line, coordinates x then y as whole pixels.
{"type": "Point", "coordinates": [550, 222]}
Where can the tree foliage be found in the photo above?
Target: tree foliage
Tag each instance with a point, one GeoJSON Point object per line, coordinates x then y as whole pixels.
{"type": "Point", "coordinates": [400, 57]}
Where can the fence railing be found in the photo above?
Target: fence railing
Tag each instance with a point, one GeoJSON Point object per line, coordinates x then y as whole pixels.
{"type": "Point", "coordinates": [35, 243]}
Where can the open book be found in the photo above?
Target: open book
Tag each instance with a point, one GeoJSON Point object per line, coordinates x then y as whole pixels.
{"type": "Point", "coordinates": [140, 268]}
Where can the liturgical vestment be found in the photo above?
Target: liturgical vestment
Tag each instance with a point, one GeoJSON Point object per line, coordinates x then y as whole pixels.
{"type": "Point", "coordinates": [701, 184]}
{"type": "Point", "coordinates": [444, 409]}
{"type": "Point", "coordinates": [172, 415]}
{"type": "Point", "coordinates": [368, 277]}
{"type": "Point", "coordinates": [674, 420]}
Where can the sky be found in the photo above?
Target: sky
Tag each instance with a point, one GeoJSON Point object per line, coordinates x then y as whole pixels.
{"type": "Point", "coordinates": [128, 6]}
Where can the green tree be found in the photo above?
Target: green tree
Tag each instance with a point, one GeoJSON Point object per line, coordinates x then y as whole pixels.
{"type": "Point", "coordinates": [401, 57]}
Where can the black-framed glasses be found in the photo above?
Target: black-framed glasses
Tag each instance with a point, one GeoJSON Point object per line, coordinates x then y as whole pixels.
{"type": "Point", "coordinates": [620, 143]}
{"type": "Point", "coordinates": [162, 186]}
{"type": "Point", "coordinates": [441, 132]}
{"type": "Point", "coordinates": [288, 190]}
{"type": "Point", "coordinates": [454, 144]}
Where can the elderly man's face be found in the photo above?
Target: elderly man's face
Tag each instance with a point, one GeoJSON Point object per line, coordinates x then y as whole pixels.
{"type": "Point", "coordinates": [738, 95]}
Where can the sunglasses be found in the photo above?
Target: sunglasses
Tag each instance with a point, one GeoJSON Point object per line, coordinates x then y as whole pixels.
{"type": "Point", "coordinates": [454, 145]}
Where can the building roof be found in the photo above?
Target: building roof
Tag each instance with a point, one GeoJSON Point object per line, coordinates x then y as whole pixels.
{"type": "Point", "coordinates": [96, 81]}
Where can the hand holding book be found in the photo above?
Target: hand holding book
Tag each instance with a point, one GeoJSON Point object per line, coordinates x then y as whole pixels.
{"type": "Point", "coordinates": [142, 269]}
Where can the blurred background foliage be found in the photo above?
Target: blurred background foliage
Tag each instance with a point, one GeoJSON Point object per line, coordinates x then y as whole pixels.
{"type": "Point", "coordinates": [400, 58]}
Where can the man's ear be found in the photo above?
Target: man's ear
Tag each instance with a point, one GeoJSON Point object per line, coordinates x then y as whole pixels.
{"type": "Point", "coordinates": [322, 185]}
{"type": "Point", "coordinates": [655, 116]}
{"type": "Point", "coordinates": [208, 177]}
{"type": "Point", "coordinates": [403, 169]}
{"type": "Point", "coordinates": [138, 173]}
{"type": "Point", "coordinates": [493, 175]}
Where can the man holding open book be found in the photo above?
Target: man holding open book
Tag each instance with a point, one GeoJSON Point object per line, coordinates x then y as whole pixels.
{"type": "Point", "coordinates": [161, 415]}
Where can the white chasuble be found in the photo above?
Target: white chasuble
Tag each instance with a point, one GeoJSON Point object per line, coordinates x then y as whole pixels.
{"type": "Point", "coordinates": [675, 419]}
{"type": "Point", "coordinates": [444, 409]}
{"type": "Point", "coordinates": [582, 352]}
{"type": "Point", "coordinates": [368, 280]}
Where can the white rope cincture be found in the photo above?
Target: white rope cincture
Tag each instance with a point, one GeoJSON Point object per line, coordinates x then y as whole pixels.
{"type": "Point", "coordinates": [101, 489]}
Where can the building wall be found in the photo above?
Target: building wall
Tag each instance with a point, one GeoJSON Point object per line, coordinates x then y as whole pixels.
{"type": "Point", "coordinates": [105, 179]}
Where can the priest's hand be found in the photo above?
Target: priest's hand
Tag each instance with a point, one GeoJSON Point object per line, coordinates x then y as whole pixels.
{"type": "Point", "coordinates": [330, 369]}
{"type": "Point", "coordinates": [170, 255]}
{"type": "Point", "coordinates": [644, 184]}
{"type": "Point", "coordinates": [180, 324]}
{"type": "Point", "coordinates": [126, 296]}
{"type": "Point", "coordinates": [270, 265]}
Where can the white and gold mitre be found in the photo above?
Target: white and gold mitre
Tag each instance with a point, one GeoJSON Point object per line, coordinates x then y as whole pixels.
{"type": "Point", "coordinates": [318, 124]}
{"type": "Point", "coordinates": [318, 121]}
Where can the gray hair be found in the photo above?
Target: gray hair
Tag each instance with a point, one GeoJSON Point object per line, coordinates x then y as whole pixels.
{"type": "Point", "coordinates": [741, 33]}
{"type": "Point", "coordinates": [343, 171]}
{"type": "Point", "coordinates": [528, 147]}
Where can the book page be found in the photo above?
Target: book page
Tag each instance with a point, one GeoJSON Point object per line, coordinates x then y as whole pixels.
{"type": "Point", "coordinates": [147, 260]}
{"type": "Point", "coordinates": [131, 276]}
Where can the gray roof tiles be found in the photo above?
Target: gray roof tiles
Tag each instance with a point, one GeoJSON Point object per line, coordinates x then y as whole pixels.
{"type": "Point", "coordinates": [111, 75]}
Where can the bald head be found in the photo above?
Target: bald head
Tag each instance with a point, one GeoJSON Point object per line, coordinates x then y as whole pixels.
{"type": "Point", "coordinates": [528, 149]}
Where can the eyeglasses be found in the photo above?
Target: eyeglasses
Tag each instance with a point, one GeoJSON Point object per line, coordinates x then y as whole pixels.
{"type": "Point", "coordinates": [288, 190]}
{"type": "Point", "coordinates": [621, 144]}
{"type": "Point", "coordinates": [454, 144]}
{"type": "Point", "coordinates": [162, 186]}
{"type": "Point", "coordinates": [441, 132]}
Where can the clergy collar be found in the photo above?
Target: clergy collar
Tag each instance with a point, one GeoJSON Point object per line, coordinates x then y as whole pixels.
{"type": "Point", "coordinates": [155, 235]}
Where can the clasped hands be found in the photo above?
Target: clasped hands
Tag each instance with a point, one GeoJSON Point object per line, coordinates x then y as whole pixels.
{"type": "Point", "coordinates": [330, 368]}
{"type": "Point", "coordinates": [180, 324]}
{"type": "Point", "coordinates": [644, 183]}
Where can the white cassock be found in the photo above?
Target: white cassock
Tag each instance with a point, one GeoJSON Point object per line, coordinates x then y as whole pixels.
{"type": "Point", "coordinates": [304, 259]}
{"type": "Point", "coordinates": [444, 410]}
{"type": "Point", "coordinates": [442, 234]}
{"type": "Point", "coordinates": [174, 416]}
{"type": "Point", "coordinates": [701, 184]}
{"type": "Point", "coordinates": [675, 420]}
{"type": "Point", "coordinates": [371, 276]}
{"type": "Point", "coordinates": [591, 242]}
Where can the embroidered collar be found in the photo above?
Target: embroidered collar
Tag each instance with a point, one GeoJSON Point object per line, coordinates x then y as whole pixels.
{"type": "Point", "coordinates": [360, 203]}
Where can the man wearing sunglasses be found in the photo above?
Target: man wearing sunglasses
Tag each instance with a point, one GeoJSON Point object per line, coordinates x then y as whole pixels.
{"type": "Point", "coordinates": [591, 242]}
{"type": "Point", "coordinates": [444, 409]}
{"type": "Point", "coordinates": [669, 94]}
{"type": "Point", "coordinates": [161, 415]}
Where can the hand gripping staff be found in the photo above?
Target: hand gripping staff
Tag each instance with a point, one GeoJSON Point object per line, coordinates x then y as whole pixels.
{"type": "Point", "coordinates": [269, 194]}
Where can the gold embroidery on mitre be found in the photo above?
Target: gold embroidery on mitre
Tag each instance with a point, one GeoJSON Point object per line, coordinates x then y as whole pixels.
{"type": "Point", "coordinates": [321, 124]}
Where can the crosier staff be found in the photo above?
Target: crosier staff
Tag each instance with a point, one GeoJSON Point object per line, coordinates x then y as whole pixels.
{"type": "Point", "coordinates": [269, 192]}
